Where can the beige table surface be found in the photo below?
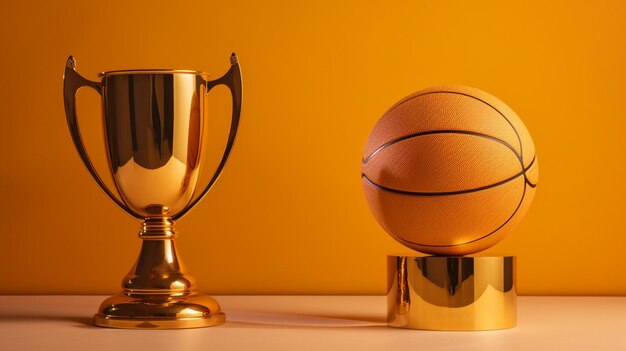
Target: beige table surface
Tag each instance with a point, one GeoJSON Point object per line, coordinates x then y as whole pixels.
{"type": "Point", "coordinates": [312, 323]}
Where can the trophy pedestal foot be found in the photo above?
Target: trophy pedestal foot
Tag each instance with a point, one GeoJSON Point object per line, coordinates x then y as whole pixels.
{"type": "Point", "coordinates": [159, 311]}
{"type": "Point", "coordinates": [451, 293]}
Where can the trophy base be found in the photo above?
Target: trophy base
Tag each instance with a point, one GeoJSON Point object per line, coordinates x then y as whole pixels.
{"type": "Point", "coordinates": [158, 311]}
{"type": "Point", "coordinates": [451, 293]}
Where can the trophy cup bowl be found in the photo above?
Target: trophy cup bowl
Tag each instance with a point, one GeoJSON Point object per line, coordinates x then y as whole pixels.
{"type": "Point", "coordinates": [153, 126]}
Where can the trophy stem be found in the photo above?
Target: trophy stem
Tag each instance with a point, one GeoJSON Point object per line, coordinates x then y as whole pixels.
{"type": "Point", "coordinates": [159, 269]}
{"type": "Point", "coordinates": [156, 228]}
{"type": "Point", "coordinates": [158, 293]}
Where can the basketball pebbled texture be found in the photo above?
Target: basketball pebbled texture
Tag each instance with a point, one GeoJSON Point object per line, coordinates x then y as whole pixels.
{"type": "Point", "coordinates": [449, 170]}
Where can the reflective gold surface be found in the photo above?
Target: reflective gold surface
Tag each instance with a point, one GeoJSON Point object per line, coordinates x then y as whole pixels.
{"type": "Point", "coordinates": [451, 293]}
{"type": "Point", "coordinates": [140, 312]}
{"type": "Point", "coordinates": [153, 125]}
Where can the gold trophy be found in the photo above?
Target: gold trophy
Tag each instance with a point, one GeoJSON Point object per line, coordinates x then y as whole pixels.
{"type": "Point", "coordinates": [153, 125]}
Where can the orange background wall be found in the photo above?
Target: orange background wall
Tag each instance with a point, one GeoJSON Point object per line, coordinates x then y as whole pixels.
{"type": "Point", "coordinates": [288, 214]}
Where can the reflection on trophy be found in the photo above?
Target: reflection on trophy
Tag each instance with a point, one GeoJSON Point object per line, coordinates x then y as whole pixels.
{"type": "Point", "coordinates": [153, 125]}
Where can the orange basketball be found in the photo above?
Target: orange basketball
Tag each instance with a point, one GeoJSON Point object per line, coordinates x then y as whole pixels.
{"type": "Point", "coordinates": [449, 170]}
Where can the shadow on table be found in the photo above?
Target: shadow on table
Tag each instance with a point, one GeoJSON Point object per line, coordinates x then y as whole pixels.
{"type": "Point", "coordinates": [234, 319]}
{"type": "Point", "coordinates": [13, 318]}
{"type": "Point", "coordinates": [259, 319]}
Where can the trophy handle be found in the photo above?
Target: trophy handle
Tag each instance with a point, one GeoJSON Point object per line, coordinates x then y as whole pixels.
{"type": "Point", "coordinates": [72, 81]}
{"type": "Point", "coordinates": [231, 79]}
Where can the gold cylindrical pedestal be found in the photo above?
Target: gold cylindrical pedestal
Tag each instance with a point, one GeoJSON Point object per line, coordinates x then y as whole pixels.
{"type": "Point", "coordinates": [451, 293]}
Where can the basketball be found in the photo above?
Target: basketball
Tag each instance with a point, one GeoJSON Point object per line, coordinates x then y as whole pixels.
{"type": "Point", "coordinates": [449, 170]}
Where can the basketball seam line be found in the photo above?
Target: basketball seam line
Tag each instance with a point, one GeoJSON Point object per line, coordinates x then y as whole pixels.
{"type": "Point", "coordinates": [478, 239]}
{"type": "Point", "coordinates": [444, 131]}
{"type": "Point", "coordinates": [519, 139]}
{"type": "Point", "coordinates": [457, 192]}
